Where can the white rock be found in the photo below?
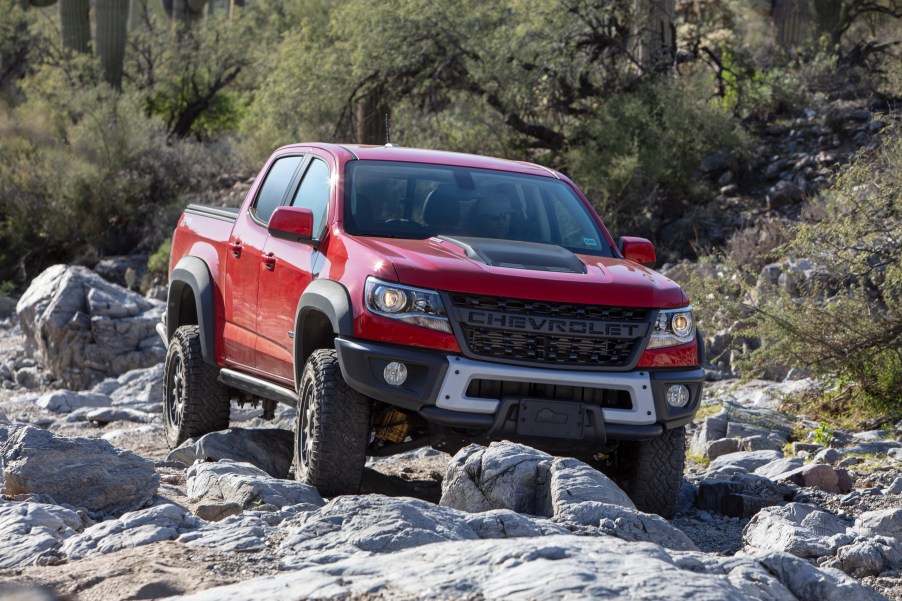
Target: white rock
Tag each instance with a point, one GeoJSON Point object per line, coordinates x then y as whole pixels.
{"type": "Point", "coordinates": [799, 529]}
{"type": "Point", "coordinates": [133, 529]}
{"type": "Point", "coordinates": [555, 567]}
{"type": "Point", "coordinates": [66, 401]}
{"type": "Point", "coordinates": [242, 485]}
{"type": "Point", "coordinates": [33, 532]}
{"type": "Point", "coordinates": [81, 472]}
{"type": "Point", "coordinates": [503, 476]}
{"type": "Point", "coordinates": [883, 522]}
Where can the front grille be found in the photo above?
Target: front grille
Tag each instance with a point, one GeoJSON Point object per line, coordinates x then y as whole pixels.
{"type": "Point", "coordinates": [558, 334]}
{"type": "Point", "coordinates": [499, 389]}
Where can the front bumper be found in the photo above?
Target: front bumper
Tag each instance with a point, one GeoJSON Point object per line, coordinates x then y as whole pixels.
{"type": "Point", "coordinates": [437, 388]}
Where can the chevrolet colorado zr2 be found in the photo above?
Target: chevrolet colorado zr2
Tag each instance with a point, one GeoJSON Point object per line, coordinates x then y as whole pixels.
{"type": "Point", "coordinates": [402, 297]}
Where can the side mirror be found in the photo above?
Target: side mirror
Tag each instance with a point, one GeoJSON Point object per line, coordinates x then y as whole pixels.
{"type": "Point", "coordinates": [639, 250]}
{"type": "Point", "coordinates": [291, 223]}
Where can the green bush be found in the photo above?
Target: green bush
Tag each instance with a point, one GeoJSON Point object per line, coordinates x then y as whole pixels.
{"type": "Point", "coordinates": [82, 171]}
{"type": "Point", "coordinates": [844, 323]}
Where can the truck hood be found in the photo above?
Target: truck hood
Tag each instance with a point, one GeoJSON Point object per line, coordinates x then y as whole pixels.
{"type": "Point", "coordinates": [445, 264]}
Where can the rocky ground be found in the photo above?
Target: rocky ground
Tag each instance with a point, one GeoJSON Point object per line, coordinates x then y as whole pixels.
{"type": "Point", "coordinates": [96, 506]}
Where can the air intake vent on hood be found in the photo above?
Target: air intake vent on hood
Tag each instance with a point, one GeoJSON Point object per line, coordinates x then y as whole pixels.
{"type": "Point", "coordinates": [519, 255]}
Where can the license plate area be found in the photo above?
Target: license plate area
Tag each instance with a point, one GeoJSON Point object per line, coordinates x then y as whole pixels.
{"type": "Point", "coordinates": [554, 419]}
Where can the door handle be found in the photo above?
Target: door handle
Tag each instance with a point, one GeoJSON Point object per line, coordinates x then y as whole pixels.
{"type": "Point", "coordinates": [269, 260]}
{"type": "Point", "coordinates": [235, 247]}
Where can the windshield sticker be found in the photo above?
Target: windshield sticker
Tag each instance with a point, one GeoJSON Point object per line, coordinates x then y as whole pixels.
{"type": "Point", "coordinates": [590, 242]}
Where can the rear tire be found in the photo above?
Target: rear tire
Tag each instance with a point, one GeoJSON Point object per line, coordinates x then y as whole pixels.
{"type": "Point", "coordinates": [651, 471]}
{"type": "Point", "coordinates": [194, 401]}
{"type": "Point", "coordinates": [332, 430]}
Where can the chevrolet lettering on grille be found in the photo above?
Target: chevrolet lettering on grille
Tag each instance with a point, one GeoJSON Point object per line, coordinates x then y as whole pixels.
{"type": "Point", "coordinates": [551, 325]}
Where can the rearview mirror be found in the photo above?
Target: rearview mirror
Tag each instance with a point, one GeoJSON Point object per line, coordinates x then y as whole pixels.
{"type": "Point", "coordinates": [639, 250]}
{"type": "Point", "coordinates": [291, 223]}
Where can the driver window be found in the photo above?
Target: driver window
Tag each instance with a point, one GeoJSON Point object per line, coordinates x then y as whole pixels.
{"type": "Point", "coordinates": [275, 186]}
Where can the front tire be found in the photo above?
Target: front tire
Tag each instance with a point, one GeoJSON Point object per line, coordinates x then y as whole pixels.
{"type": "Point", "coordinates": [651, 471]}
{"type": "Point", "coordinates": [332, 430]}
{"type": "Point", "coordinates": [194, 401]}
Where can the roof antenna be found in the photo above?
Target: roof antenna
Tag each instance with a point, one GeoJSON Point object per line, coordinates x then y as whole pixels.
{"type": "Point", "coordinates": [388, 143]}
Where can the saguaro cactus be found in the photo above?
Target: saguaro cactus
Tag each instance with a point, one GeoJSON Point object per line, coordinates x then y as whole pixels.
{"type": "Point", "coordinates": [75, 24]}
{"type": "Point", "coordinates": [793, 20]}
{"type": "Point", "coordinates": [653, 32]}
{"type": "Point", "coordinates": [111, 27]}
{"type": "Point", "coordinates": [111, 20]}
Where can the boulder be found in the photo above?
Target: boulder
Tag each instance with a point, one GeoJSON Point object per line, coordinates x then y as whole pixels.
{"type": "Point", "coordinates": [503, 475]}
{"type": "Point", "coordinates": [67, 401]}
{"type": "Point", "coordinates": [722, 446]}
{"type": "Point", "coordinates": [85, 328]}
{"type": "Point", "coordinates": [742, 495]}
{"type": "Point", "coordinates": [372, 523]}
{"type": "Point", "coordinates": [269, 449]}
{"type": "Point", "coordinates": [82, 472]}
{"type": "Point", "coordinates": [802, 530]}
{"type": "Point", "coordinates": [105, 415]}
{"type": "Point", "coordinates": [746, 460]}
{"type": "Point", "coordinates": [133, 529]}
{"type": "Point", "coordinates": [623, 522]}
{"type": "Point", "coordinates": [553, 567]}
{"type": "Point", "coordinates": [140, 389]}
{"type": "Point", "coordinates": [235, 533]}
{"type": "Point", "coordinates": [573, 482]}
{"type": "Point", "coordinates": [227, 487]}
{"type": "Point", "coordinates": [33, 532]}
{"type": "Point", "coordinates": [813, 475]}
{"type": "Point", "coordinates": [828, 455]}
{"type": "Point", "coordinates": [713, 428]}
{"type": "Point", "coordinates": [779, 466]}
{"type": "Point", "coordinates": [895, 488]}
{"type": "Point", "coordinates": [811, 584]}
{"type": "Point", "coordinates": [882, 522]}
{"type": "Point", "coordinates": [868, 557]}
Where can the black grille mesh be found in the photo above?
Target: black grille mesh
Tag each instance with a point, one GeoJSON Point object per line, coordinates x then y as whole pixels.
{"type": "Point", "coordinates": [546, 348]}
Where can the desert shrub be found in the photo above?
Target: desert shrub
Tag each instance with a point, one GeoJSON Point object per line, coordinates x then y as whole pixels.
{"type": "Point", "coordinates": [844, 321]}
{"type": "Point", "coordinates": [82, 170]}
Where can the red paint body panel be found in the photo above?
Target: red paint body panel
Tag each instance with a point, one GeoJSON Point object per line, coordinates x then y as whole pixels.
{"type": "Point", "coordinates": [257, 293]}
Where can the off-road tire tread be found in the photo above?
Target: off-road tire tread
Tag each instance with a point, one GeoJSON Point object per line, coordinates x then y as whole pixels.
{"type": "Point", "coordinates": [207, 406]}
{"type": "Point", "coordinates": [341, 428]}
{"type": "Point", "coordinates": [652, 471]}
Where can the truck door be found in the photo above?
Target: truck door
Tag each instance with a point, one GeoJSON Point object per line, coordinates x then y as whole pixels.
{"type": "Point", "coordinates": [243, 261]}
{"type": "Point", "coordinates": [286, 271]}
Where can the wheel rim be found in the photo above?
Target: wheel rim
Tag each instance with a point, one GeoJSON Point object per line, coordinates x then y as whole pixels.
{"type": "Point", "coordinates": [176, 391]}
{"type": "Point", "coordinates": [305, 427]}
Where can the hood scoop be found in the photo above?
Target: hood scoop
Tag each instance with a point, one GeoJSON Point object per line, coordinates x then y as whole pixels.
{"type": "Point", "coordinates": [518, 255]}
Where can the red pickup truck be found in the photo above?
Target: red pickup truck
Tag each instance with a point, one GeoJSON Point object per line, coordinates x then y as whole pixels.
{"type": "Point", "coordinates": [402, 297]}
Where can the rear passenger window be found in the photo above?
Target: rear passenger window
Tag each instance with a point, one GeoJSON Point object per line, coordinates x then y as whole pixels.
{"type": "Point", "coordinates": [313, 193]}
{"type": "Point", "coordinates": [275, 186]}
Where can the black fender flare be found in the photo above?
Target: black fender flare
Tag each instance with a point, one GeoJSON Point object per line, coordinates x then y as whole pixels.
{"type": "Point", "coordinates": [193, 273]}
{"type": "Point", "coordinates": [329, 298]}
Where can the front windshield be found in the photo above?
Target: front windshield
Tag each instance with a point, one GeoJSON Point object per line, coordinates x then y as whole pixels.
{"type": "Point", "coordinates": [414, 200]}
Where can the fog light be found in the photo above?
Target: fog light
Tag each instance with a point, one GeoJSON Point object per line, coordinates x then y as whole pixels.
{"type": "Point", "coordinates": [677, 395]}
{"type": "Point", "coordinates": [396, 373]}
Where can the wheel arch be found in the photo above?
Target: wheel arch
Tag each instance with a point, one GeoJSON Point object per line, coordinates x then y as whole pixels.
{"type": "Point", "coordinates": [324, 312]}
{"type": "Point", "coordinates": [190, 302]}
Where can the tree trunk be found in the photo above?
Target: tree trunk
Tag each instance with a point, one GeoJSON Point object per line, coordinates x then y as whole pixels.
{"type": "Point", "coordinates": [370, 116]}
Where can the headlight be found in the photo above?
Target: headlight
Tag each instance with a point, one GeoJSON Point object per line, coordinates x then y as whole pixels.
{"type": "Point", "coordinates": [673, 326]}
{"type": "Point", "coordinates": [411, 305]}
